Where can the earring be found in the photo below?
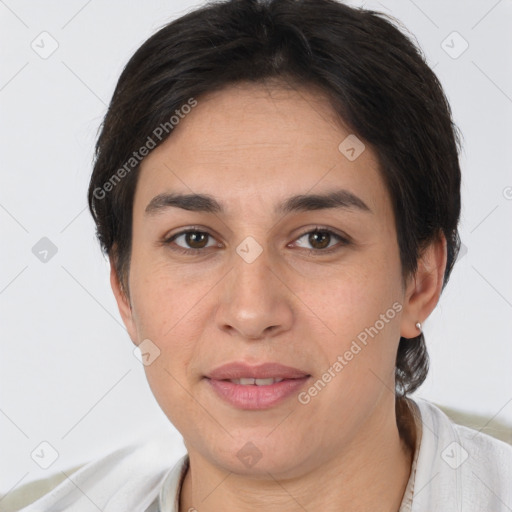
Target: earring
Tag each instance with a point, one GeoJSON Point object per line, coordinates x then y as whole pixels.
{"type": "Point", "coordinates": [418, 326]}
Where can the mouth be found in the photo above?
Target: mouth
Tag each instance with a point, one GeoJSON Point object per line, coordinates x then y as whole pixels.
{"type": "Point", "coordinates": [247, 381]}
{"type": "Point", "coordinates": [262, 372]}
{"type": "Point", "coordinates": [256, 387]}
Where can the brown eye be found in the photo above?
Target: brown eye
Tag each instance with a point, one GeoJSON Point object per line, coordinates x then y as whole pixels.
{"type": "Point", "coordinates": [320, 240]}
{"type": "Point", "coordinates": [190, 241]}
{"type": "Point", "coordinates": [196, 239]}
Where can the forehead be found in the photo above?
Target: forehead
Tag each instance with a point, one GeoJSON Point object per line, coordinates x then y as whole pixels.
{"type": "Point", "coordinates": [266, 143]}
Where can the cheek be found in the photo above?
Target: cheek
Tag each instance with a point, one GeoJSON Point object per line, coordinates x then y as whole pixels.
{"type": "Point", "coordinates": [168, 310]}
{"type": "Point", "coordinates": [361, 308]}
{"type": "Point", "coordinates": [163, 297]}
{"type": "Point", "coordinates": [360, 355]}
{"type": "Point", "coordinates": [348, 299]}
{"type": "Point", "coordinates": [169, 388]}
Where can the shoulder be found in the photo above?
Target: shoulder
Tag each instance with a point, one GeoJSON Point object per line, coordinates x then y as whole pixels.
{"type": "Point", "coordinates": [460, 468]}
{"type": "Point", "coordinates": [129, 478]}
{"type": "Point", "coordinates": [480, 446]}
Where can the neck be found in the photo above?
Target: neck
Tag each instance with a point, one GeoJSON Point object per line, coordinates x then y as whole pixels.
{"type": "Point", "coordinates": [371, 474]}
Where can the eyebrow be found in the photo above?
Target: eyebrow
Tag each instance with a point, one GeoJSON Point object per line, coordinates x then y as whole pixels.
{"type": "Point", "coordinates": [337, 199]}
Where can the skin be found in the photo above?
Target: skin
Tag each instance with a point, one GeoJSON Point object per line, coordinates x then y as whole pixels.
{"type": "Point", "coordinates": [252, 146]}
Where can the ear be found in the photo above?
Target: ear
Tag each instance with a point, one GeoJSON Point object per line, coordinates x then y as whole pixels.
{"type": "Point", "coordinates": [424, 288]}
{"type": "Point", "coordinates": [123, 303]}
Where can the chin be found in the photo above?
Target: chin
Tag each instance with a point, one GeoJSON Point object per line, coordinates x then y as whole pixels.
{"type": "Point", "coordinates": [259, 456]}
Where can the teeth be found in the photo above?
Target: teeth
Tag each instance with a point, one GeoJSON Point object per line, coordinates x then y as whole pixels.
{"type": "Point", "coordinates": [257, 382]}
{"type": "Point", "coordinates": [264, 382]}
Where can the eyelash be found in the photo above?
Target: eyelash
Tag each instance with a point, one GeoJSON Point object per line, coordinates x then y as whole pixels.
{"type": "Point", "coordinates": [318, 229]}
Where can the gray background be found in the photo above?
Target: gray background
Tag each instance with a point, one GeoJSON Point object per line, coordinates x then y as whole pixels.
{"type": "Point", "coordinates": [67, 369]}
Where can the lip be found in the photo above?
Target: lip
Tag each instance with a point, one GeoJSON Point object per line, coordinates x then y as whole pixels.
{"type": "Point", "coordinates": [238, 370]}
{"type": "Point", "coordinates": [252, 396]}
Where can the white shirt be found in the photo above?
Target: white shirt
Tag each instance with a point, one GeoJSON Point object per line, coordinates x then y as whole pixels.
{"type": "Point", "coordinates": [455, 469]}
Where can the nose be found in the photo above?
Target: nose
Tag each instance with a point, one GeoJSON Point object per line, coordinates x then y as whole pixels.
{"type": "Point", "coordinates": [254, 301]}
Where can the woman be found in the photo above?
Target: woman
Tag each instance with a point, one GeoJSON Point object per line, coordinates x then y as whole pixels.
{"type": "Point", "coordinates": [277, 187]}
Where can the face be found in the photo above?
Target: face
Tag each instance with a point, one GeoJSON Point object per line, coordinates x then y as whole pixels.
{"type": "Point", "coordinates": [251, 284]}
